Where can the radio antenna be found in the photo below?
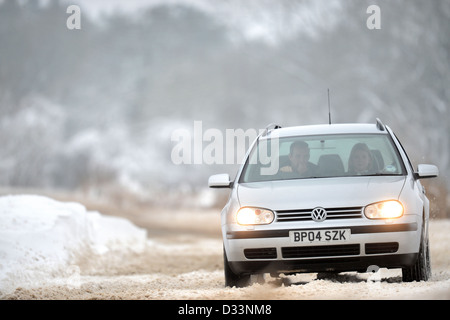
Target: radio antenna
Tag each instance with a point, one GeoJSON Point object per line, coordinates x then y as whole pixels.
{"type": "Point", "coordinates": [329, 108]}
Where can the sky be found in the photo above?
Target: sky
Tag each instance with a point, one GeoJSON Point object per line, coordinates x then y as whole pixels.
{"type": "Point", "coordinates": [250, 18]}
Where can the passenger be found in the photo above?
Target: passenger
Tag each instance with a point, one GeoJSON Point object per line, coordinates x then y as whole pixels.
{"type": "Point", "coordinates": [360, 161]}
{"type": "Point", "coordinates": [299, 166]}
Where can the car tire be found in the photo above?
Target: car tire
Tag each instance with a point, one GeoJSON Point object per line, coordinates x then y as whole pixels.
{"type": "Point", "coordinates": [421, 270]}
{"type": "Point", "coordinates": [232, 279]}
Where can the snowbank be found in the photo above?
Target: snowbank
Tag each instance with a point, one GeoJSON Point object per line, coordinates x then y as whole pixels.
{"type": "Point", "coordinates": [40, 238]}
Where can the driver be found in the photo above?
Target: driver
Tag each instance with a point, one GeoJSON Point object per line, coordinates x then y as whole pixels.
{"type": "Point", "coordinates": [299, 166]}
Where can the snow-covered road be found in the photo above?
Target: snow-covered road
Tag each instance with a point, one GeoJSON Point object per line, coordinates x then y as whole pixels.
{"type": "Point", "coordinates": [54, 250]}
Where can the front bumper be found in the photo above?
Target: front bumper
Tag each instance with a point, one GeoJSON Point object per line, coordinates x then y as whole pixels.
{"type": "Point", "coordinates": [390, 245]}
{"type": "Point", "coordinates": [360, 264]}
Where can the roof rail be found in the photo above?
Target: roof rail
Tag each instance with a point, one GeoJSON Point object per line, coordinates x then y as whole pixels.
{"type": "Point", "coordinates": [270, 127]}
{"type": "Point", "coordinates": [380, 125]}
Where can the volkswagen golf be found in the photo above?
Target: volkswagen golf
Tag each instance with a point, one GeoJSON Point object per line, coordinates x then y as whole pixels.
{"type": "Point", "coordinates": [325, 198]}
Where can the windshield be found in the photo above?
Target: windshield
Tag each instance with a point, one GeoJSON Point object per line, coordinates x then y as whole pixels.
{"type": "Point", "coordinates": [322, 156]}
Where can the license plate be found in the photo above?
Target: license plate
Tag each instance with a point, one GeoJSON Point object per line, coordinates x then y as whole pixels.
{"type": "Point", "coordinates": [310, 236]}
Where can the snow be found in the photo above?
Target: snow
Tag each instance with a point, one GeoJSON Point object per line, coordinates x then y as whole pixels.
{"type": "Point", "coordinates": [40, 238]}
{"type": "Point", "coordinates": [60, 250]}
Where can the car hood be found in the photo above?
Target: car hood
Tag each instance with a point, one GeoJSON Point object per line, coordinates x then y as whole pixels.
{"type": "Point", "coordinates": [320, 192]}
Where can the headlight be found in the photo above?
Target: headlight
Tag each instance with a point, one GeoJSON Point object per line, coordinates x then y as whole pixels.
{"type": "Point", "coordinates": [384, 210]}
{"type": "Point", "coordinates": [252, 216]}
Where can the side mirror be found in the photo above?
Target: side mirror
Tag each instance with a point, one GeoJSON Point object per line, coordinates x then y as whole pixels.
{"type": "Point", "coordinates": [426, 171]}
{"type": "Point", "coordinates": [220, 181]}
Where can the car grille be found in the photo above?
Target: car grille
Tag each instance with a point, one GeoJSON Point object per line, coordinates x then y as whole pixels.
{"type": "Point", "coordinates": [321, 251]}
{"type": "Point", "coordinates": [261, 253]}
{"type": "Point", "coordinates": [332, 213]}
{"type": "Point", "coordinates": [377, 248]}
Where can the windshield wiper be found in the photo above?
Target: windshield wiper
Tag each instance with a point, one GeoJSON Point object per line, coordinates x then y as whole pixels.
{"type": "Point", "coordinates": [381, 174]}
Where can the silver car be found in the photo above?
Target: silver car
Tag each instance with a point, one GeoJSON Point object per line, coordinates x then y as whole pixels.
{"type": "Point", "coordinates": [325, 198]}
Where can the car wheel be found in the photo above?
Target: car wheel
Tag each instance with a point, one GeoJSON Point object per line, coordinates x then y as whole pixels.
{"type": "Point", "coordinates": [232, 279]}
{"type": "Point", "coordinates": [421, 270]}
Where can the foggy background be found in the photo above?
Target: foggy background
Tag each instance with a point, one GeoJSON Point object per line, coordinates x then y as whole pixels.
{"type": "Point", "coordinates": [92, 111]}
